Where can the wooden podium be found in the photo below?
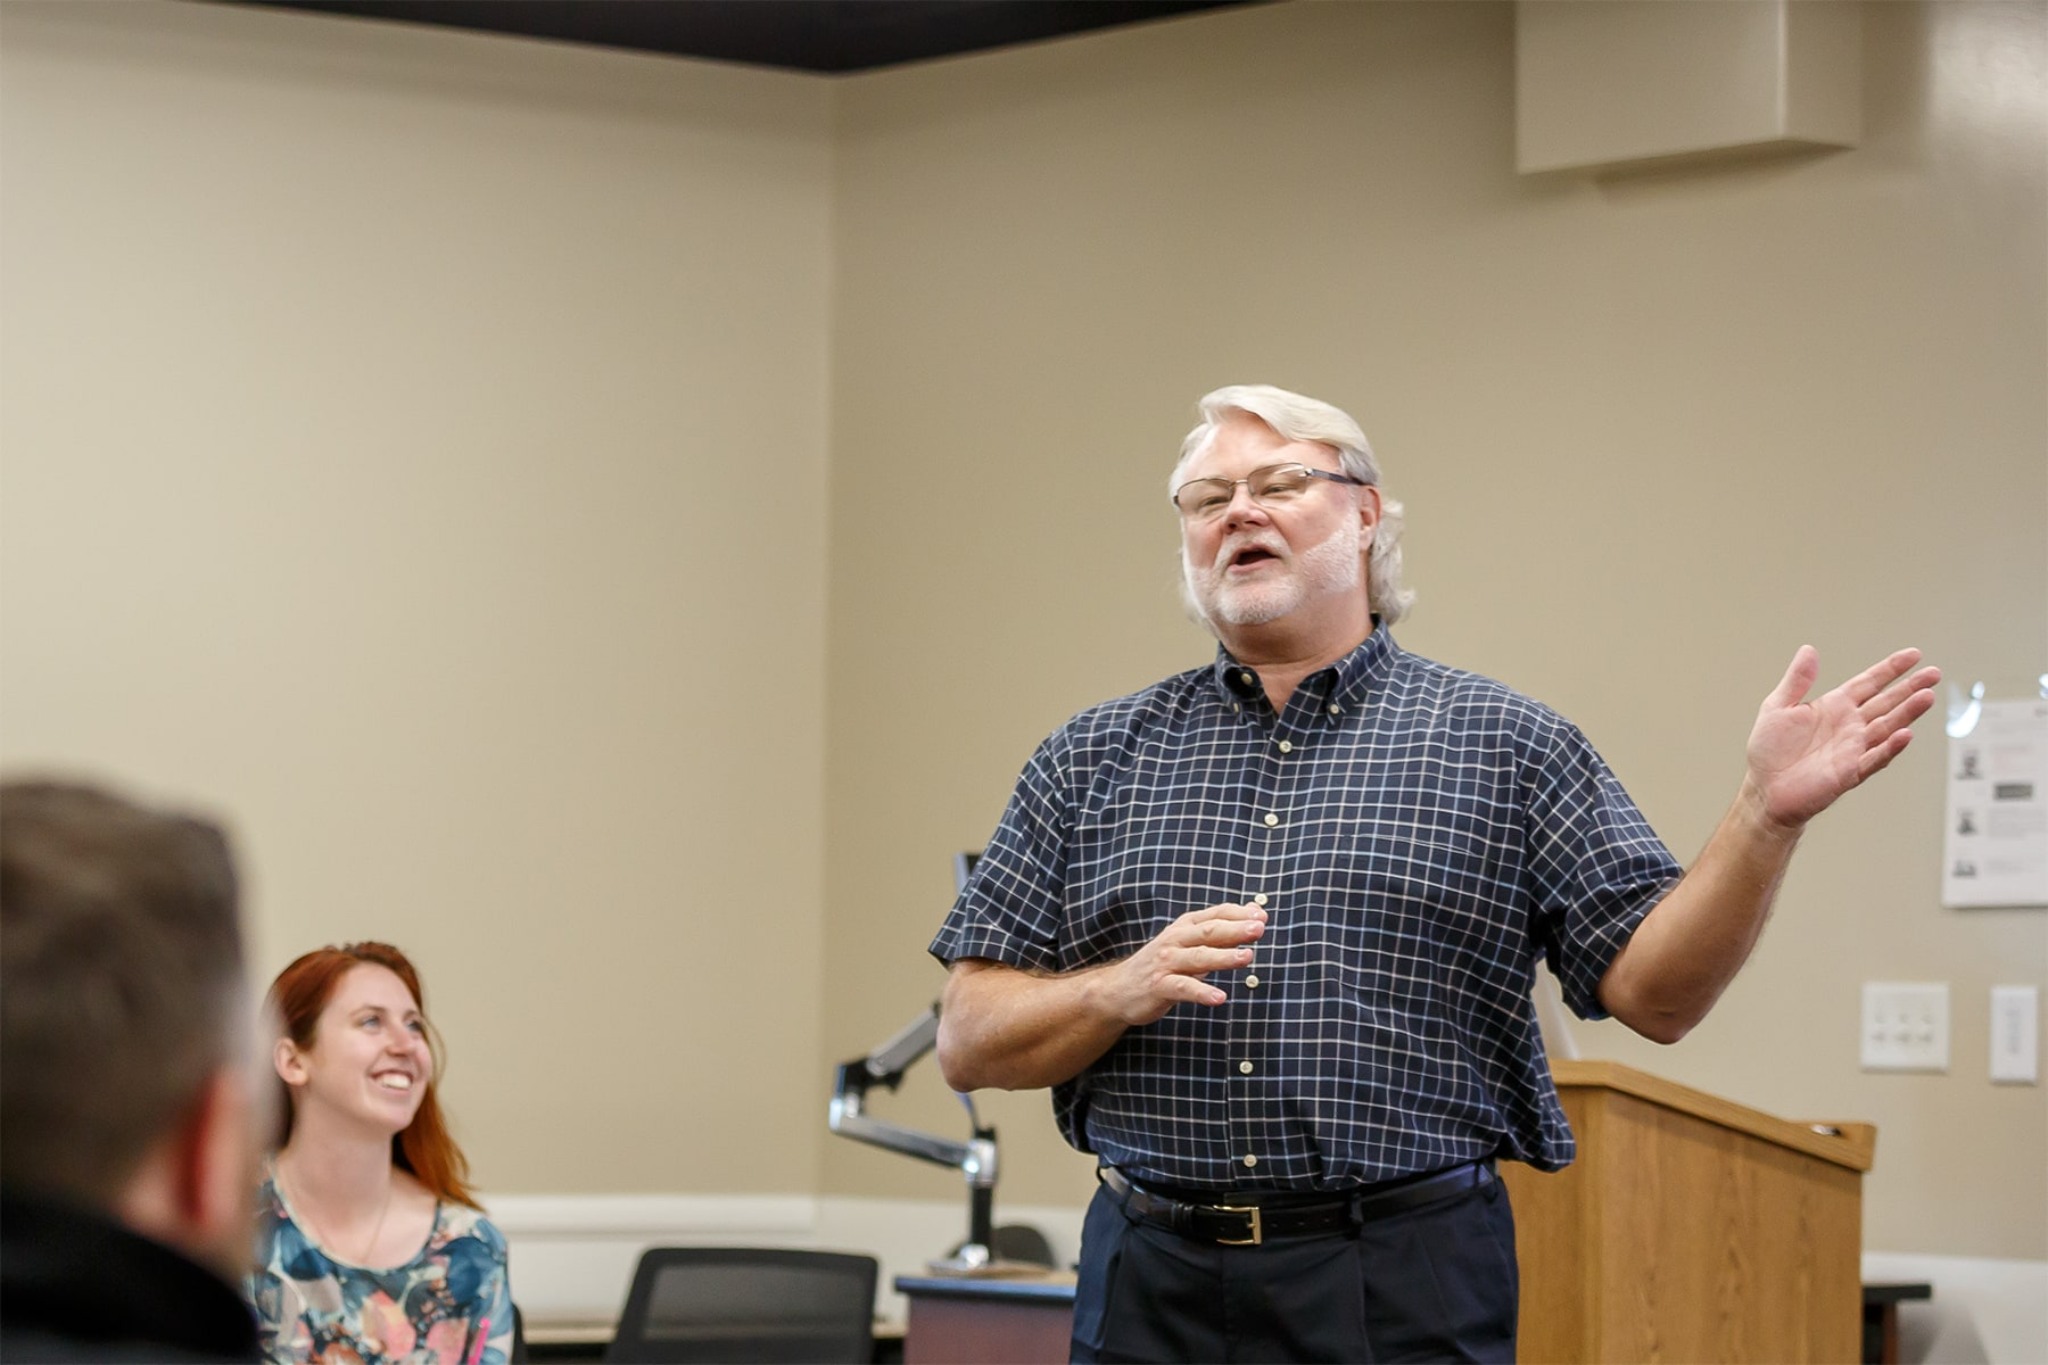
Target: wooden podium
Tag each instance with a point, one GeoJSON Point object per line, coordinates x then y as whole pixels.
{"type": "Point", "coordinates": [1690, 1228]}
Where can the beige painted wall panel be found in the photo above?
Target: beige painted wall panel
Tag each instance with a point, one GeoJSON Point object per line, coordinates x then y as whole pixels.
{"type": "Point", "coordinates": [1653, 433]}
{"type": "Point", "coordinates": [415, 447]}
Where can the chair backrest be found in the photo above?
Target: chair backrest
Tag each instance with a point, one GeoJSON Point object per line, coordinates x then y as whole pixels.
{"type": "Point", "coordinates": [749, 1304]}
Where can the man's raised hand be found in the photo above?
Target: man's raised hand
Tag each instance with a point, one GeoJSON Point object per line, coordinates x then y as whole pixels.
{"type": "Point", "coordinates": [1803, 755]}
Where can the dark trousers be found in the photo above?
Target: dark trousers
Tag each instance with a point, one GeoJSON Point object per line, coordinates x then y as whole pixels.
{"type": "Point", "coordinates": [1434, 1283]}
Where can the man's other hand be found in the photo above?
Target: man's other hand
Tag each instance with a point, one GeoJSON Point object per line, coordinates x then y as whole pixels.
{"type": "Point", "coordinates": [1169, 969]}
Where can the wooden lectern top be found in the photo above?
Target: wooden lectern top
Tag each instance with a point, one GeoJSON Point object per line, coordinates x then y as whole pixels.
{"type": "Point", "coordinates": [1850, 1145]}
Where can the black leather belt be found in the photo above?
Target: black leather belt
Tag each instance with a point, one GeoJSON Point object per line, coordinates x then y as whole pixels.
{"type": "Point", "coordinates": [1249, 1223]}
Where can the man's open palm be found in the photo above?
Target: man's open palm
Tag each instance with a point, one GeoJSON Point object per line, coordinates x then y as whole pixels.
{"type": "Point", "coordinates": [1804, 754]}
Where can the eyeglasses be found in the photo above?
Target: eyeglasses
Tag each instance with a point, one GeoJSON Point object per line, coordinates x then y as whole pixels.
{"type": "Point", "coordinates": [1274, 486]}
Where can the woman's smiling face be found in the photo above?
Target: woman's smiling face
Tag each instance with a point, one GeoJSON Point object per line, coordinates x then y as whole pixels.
{"type": "Point", "coordinates": [370, 1063]}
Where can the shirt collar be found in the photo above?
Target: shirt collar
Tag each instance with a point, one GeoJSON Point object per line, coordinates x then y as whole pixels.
{"type": "Point", "coordinates": [1348, 681]}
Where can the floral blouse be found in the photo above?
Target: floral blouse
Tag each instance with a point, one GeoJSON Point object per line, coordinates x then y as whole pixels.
{"type": "Point", "coordinates": [449, 1305]}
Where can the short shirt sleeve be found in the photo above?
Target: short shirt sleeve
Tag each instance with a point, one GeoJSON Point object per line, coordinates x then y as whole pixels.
{"type": "Point", "coordinates": [1596, 866]}
{"type": "Point", "coordinates": [1011, 910]}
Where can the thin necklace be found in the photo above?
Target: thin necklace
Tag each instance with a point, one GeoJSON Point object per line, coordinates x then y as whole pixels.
{"type": "Point", "coordinates": [326, 1241]}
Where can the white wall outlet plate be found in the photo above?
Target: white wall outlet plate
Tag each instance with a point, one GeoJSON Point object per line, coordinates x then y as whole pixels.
{"type": "Point", "coordinates": [1905, 1026]}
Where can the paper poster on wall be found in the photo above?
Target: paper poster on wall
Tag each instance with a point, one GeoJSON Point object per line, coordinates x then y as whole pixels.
{"type": "Point", "coordinates": [1996, 848]}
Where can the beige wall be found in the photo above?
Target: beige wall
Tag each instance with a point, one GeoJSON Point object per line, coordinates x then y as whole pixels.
{"type": "Point", "coordinates": [415, 446]}
{"type": "Point", "coordinates": [365, 390]}
{"type": "Point", "coordinates": [1653, 434]}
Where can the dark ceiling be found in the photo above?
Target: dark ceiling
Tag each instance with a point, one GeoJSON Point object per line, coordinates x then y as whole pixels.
{"type": "Point", "coordinates": [804, 35]}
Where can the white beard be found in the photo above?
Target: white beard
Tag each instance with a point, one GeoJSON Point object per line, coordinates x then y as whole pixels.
{"type": "Point", "coordinates": [1335, 564]}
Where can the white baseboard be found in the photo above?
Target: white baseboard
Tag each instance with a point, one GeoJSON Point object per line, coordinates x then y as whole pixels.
{"type": "Point", "coordinates": [1984, 1312]}
{"type": "Point", "coordinates": [573, 1255]}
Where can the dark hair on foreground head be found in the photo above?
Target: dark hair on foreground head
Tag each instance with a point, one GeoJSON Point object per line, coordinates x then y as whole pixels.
{"type": "Point", "coordinates": [121, 985]}
{"type": "Point", "coordinates": [298, 997]}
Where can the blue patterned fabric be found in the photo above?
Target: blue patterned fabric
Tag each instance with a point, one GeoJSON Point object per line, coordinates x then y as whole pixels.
{"type": "Point", "coordinates": [1421, 836]}
{"type": "Point", "coordinates": [451, 1304]}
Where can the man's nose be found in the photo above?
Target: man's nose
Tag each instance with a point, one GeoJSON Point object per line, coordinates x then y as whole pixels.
{"type": "Point", "coordinates": [1242, 507]}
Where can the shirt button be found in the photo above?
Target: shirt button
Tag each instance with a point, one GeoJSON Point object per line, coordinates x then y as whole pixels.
{"type": "Point", "coordinates": [1246, 678]}
{"type": "Point", "coordinates": [1286, 747]}
{"type": "Point", "coordinates": [1250, 1160]}
{"type": "Point", "coordinates": [1252, 981]}
{"type": "Point", "coordinates": [1233, 706]}
{"type": "Point", "coordinates": [1335, 709]}
{"type": "Point", "coordinates": [1245, 1067]}
{"type": "Point", "coordinates": [1271, 819]}
{"type": "Point", "coordinates": [1259, 899]}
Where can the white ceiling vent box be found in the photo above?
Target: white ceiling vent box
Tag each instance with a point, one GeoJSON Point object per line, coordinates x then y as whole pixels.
{"type": "Point", "coordinates": [1612, 84]}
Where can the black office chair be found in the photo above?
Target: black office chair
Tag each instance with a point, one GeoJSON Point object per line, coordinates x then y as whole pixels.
{"type": "Point", "coordinates": [749, 1304]}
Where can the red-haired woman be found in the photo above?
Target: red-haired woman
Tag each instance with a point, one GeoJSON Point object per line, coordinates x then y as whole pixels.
{"type": "Point", "coordinates": [369, 1244]}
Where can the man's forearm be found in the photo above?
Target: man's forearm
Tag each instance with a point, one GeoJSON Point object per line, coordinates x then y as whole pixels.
{"type": "Point", "coordinates": [1019, 1031]}
{"type": "Point", "coordinates": [1802, 756]}
{"type": "Point", "coordinates": [1012, 1030]}
{"type": "Point", "coordinates": [1687, 950]}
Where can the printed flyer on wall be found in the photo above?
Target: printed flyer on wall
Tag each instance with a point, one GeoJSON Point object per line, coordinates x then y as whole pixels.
{"type": "Point", "coordinates": [1996, 848]}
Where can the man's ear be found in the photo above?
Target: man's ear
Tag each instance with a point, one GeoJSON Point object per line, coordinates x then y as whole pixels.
{"type": "Point", "coordinates": [1368, 512]}
{"type": "Point", "coordinates": [194, 1190]}
{"type": "Point", "coordinates": [217, 1172]}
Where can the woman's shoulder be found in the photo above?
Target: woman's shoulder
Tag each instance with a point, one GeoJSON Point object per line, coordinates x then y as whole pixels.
{"type": "Point", "coordinates": [465, 1223]}
{"type": "Point", "coordinates": [282, 1248]}
{"type": "Point", "coordinates": [269, 1203]}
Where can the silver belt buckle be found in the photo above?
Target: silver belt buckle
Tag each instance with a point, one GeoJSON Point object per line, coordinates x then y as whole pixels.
{"type": "Point", "coordinates": [1258, 1232]}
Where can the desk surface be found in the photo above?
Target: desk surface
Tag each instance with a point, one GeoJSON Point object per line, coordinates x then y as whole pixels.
{"type": "Point", "coordinates": [1053, 1286]}
{"type": "Point", "coordinates": [570, 1333]}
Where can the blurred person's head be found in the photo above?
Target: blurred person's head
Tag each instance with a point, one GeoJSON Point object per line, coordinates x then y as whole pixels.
{"type": "Point", "coordinates": [358, 1055]}
{"type": "Point", "coordinates": [125, 1083]}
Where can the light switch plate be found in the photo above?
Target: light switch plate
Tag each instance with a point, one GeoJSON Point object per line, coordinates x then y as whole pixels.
{"type": "Point", "coordinates": [2016, 1035]}
{"type": "Point", "coordinates": [1905, 1026]}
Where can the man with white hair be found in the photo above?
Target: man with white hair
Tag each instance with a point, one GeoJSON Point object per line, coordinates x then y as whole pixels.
{"type": "Point", "coordinates": [1268, 929]}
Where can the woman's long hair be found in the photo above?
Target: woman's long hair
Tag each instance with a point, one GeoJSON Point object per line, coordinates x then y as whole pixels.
{"type": "Point", "coordinates": [298, 997]}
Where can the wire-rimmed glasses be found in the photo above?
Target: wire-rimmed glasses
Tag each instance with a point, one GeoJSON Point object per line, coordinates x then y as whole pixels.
{"type": "Point", "coordinates": [1273, 485]}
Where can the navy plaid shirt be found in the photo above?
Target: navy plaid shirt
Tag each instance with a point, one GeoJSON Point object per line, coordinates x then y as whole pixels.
{"type": "Point", "coordinates": [1418, 835]}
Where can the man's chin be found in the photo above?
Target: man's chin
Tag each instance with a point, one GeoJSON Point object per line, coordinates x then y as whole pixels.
{"type": "Point", "coordinates": [1225, 604]}
{"type": "Point", "coordinates": [1249, 609]}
